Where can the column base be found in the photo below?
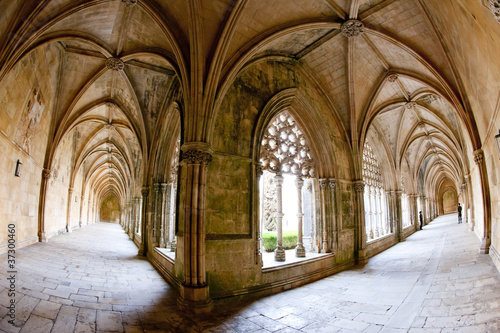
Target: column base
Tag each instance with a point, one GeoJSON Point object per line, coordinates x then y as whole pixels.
{"type": "Point", "coordinates": [142, 250]}
{"type": "Point", "coordinates": [324, 248]}
{"type": "Point", "coordinates": [68, 229]}
{"type": "Point", "coordinates": [485, 246]}
{"type": "Point", "coordinates": [194, 300]}
{"type": "Point", "coordinates": [300, 251]}
{"type": "Point", "coordinates": [279, 254]}
{"type": "Point", "coordinates": [42, 237]}
{"type": "Point", "coordinates": [362, 259]}
{"type": "Point", "coordinates": [401, 237]}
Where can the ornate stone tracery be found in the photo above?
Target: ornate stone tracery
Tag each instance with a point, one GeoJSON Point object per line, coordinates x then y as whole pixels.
{"type": "Point", "coordinates": [495, 8]}
{"type": "Point", "coordinates": [129, 3]}
{"type": "Point", "coordinates": [374, 196]}
{"type": "Point", "coordinates": [285, 148]}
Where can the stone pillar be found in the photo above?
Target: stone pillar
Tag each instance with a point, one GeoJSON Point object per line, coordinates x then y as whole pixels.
{"type": "Point", "coordinates": [333, 185]}
{"type": "Point", "coordinates": [165, 194]}
{"type": "Point", "coordinates": [367, 211]}
{"type": "Point", "coordinates": [324, 242]}
{"type": "Point", "coordinates": [155, 216]}
{"type": "Point", "coordinates": [194, 293]}
{"type": "Point", "coordinates": [171, 218]}
{"type": "Point", "coordinates": [88, 211]}
{"type": "Point", "coordinates": [485, 192]}
{"type": "Point", "coordinates": [416, 222]}
{"type": "Point", "coordinates": [143, 247]}
{"type": "Point", "coordinates": [82, 200]}
{"type": "Point", "coordinates": [42, 237]}
{"type": "Point", "coordinates": [359, 187]}
{"type": "Point", "coordinates": [279, 253]}
{"type": "Point", "coordinates": [399, 217]}
{"type": "Point", "coordinates": [390, 211]}
{"type": "Point", "coordinates": [381, 231]}
{"type": "Point", "coordinates": [68, 210]}
{"type": "Point", "coordinates": [423, 200]}
{"type": "Point", "coordinates": [299, 251]}
{"type": "Point", "coordinates": [258, 232]}
{"type": "Point", "coordinates": [310, 216]}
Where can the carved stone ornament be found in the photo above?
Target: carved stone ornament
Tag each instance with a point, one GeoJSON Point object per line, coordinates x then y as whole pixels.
{"type": "Point", "coordinates": [359, 187]}
{"type": "Point", "coordinates": [46, 173]}
{"type": "Point", "coordinates": [352, 28]}
{"type": "Point", "coordinates": [322, 183]}
{"type": "Point", "coordinates": [479, 156]}
{"type": "Point", "coordinates": [495, 8]}
{"type": "Point", "coordinates": [197, 157]}
{"type": "Point", "coordinates": [285, 148]}
{"type": "Point", "coordinates": [114, 64]}
{"type": "Point", "coordinates": [259, 169]}
{"type": "Point", "coordinates": [411, 105]}
{"type": "Point", "coordinates": [129, 3]}
{"type": "Point", "coordinates": [392, 78]}
{"type": "Point", "coordinates": [145, 191]}
{"type": "Point", "coordinates": [332, 183]}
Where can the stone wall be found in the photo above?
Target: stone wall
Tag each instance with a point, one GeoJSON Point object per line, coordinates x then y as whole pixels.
{"type": "Point", "coordinates": [26, 107]}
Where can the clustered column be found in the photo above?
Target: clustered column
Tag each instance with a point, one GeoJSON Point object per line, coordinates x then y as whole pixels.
{"type": "Point", "coordinates": [359, 188]}
{"type": "Point", "coordinates": [194, 294]}
{"type": "Point", "coordinates": [279, 253]}
{"type": "Point", "coordinates": [486, 237]}
{"type": "Point", "coordinates": [300, 251]}
{"type": "Point", "coordinates": [165, 212]}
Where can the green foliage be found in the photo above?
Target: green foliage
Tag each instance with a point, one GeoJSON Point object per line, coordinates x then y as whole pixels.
{"type": "Point", "coordinates": [269, 240]}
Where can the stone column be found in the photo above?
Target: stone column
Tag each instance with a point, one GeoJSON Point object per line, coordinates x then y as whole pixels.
{"type": "Point", "coordinates": [333, 185]}
{"type": "Point", "coordinates": [324, 243]}
{"type": "Point", "coordinates": [68, 210]}
{"type": "Point", "coordinates": [312, 225]}
{"type": "Point", "coordinates": [258, 232]}
{"type": "Point", "coordinates": [379, 212]}
{"type": "Point", "coordinates": [194, 293]}
{"type": "Point", "coordinates": [165, 196]}
{"type": "Point", "coordinates": [42, 237]}
{"type": "Point", "coordinates": [171, 217]}
{"type": "Point", "coordinates": [88, 211]}
{"type": "Point", "coordinates": [155, 216]}
{"type": "Point", "coordinates": [82, 200]}
{"type": "Point", "coordinates": [415, 212]}
{"type": "Point", "coordinates": [390, 212]}
{"type": "Point", "coordinates": [485, 192]}
{"type": "Point", "coordinates": [299, 251]}
{"type": "Point", "coordinates": [367, 211]}
{"type": "Point", "coordinates": [143, 247]}
{"type": "Point", "coordinates": [399, 217]}
{"type": "Point", "coordinates": [359, 187]}
{"type": "Point", "coordinates": [279, 253]}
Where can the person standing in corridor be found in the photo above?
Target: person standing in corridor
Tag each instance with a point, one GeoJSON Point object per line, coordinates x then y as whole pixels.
{"type": "Point", "coordinates": [459, 213]}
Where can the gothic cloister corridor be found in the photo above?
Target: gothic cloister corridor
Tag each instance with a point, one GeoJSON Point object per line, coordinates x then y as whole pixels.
{"type": "Point", "coordinates": [92, 279]}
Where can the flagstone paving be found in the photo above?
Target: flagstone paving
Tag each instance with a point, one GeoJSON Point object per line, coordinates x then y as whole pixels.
{"type": "Point", "coordinates": [91, 280]}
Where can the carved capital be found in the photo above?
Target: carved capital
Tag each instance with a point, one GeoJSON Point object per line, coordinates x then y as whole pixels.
{"type": "Point", "coordinates": [332, 183]}
{"type": "Point", "coordinates": [359, 186]}
{"type": "Point", "coordinates": [299, 182]}
{"type": "Point", "coordinates": [114, 64]}
{"type": "Point", "coordinates": [46, 174]}
{"type": "Point", "coordinates": [392, 78]}
{"type": "Point", "coordinates": [145, 191]}
{"type": "Point", "coordinates": [352, 28]}
{"type": "Point", "coordinates": [164, 187]}
{"type": "Point", "coordinates": [259, 169]}
{"type": "Point", "coordinates": [156, 187]}
{"type": "Point", "coordinates": [70, 190]}
{"type": "Point", "coordinates": [195, 156]}
{"type": "Point", "coordinates": [479, 156]}
{"type": "Point", "coordinates": [129, 3]}
{"type": "Point", "coordinates": [322, 183]}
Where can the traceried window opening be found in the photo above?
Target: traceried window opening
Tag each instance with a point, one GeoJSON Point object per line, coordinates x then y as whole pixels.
{"type": "Point", "coordinates": [405, 206]}
{"type": "Point", "coordinates": [168, 240]}
{"type": "Point", "coordinates": [377, 225]}
{"type": "Point", "coordinates": [286, 161]}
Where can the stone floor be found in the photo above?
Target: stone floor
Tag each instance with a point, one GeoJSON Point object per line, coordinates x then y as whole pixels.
{"type": "Point", "coordinates": [92, 280]}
